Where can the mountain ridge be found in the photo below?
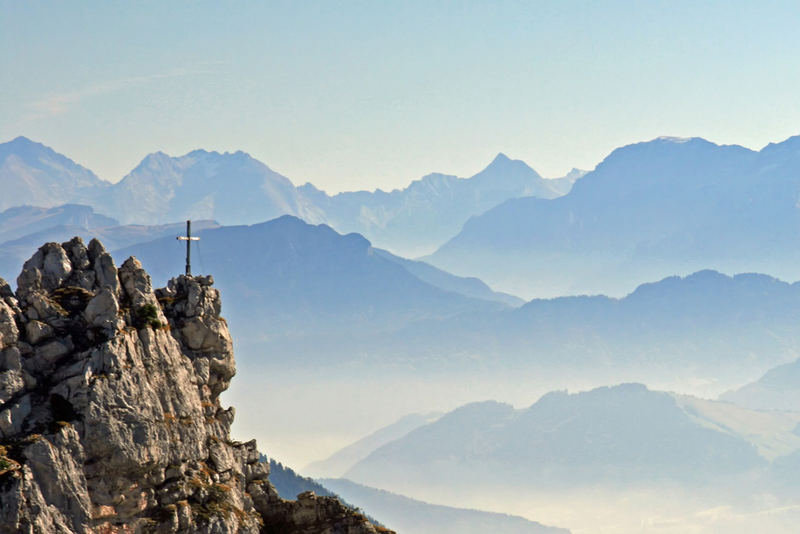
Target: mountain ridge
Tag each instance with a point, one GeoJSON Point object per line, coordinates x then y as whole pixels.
{"type": "Point", "coordinates": [307, 280]}
{"type": "Point", "coordinates": [648, 210]}
{"type": "Point", "coordinates": [34, 174]}
{"type": "Point", "coordinates": [777, 389]}
{"type": "Point", "coordinates": [235, 188]}
{"type": "Point", "coordinates": [417, 517]}
{"type": "Point", "coordinates": [622, 434]}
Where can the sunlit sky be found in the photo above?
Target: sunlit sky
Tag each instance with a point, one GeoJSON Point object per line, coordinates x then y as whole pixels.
{"type": "Point", "coordinates": [373, 94]}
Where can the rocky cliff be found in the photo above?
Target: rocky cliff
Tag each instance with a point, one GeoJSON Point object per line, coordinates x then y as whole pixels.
{"type": "Point", "coordinates": [110, 419]}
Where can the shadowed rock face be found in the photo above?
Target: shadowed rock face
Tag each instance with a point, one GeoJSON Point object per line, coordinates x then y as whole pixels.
{"type": "Point", "coordinates": [110, 419]}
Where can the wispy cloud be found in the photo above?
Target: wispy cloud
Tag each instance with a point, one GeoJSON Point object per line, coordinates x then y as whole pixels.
{"type": "Point", "coordinates": [59, 103]}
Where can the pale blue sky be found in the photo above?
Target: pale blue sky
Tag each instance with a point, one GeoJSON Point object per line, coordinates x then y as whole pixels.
{"type": "Point", "coordinates": [366, 94]}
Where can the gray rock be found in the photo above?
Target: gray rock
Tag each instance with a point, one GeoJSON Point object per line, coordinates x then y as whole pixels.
{"type": "Point", "coordinates": [24, 508]}
{"type": "Point", "coordinates": [11, 383]}
{"type": "Point", "coordinates": [202, 370]}
{"type": "Point", "coordinates": [83, 279]}
{"type": "Point", "coordinates": [103, 266]}
{"type": "Point", "coordinates": [77, 253]}
{"type": "Point", "coordinates": [5, 290]}
{"type": "Point", "coordinates": [42, 307]}
{"type": "Point", "coordinates": [11, 359]}
{"type": "Point", "coordinates": [12, 418]}
{"type": "Point", "coordinates": [36, 331]}
{"type": "Point", "coordinates": [205, 336]}
{"type": "Point", "coordinates": [9, 333]}
{"type": "Point", "coordinates": [56, 266]}
{"type": "Point", "coordinates": [123, 429]}
{"type": "Point", "coordinates": [134, 279]}
{"type": "Point", "coordinates": [58, 469]}
{"type": "Point", "coordinates": [103, 310]}
{"type": "Point", "coordinates": [52, 351]}
{"type": "Point", "coordinates": [136, 284]}
{"type": "Point", "coordinates": [29, 280]}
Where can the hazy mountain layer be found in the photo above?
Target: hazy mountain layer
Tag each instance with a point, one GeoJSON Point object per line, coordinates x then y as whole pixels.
{"type": "Point", "coordinates": [412, 516]}
{"type": "Point", "coordinates": [407, 515]}
{"type": "Point", "coordinates": [648, 210]}
{"type": "Point", "coordinates": [289, 280]}
{"type": "Point", "coordinates": [25, 220]}
{"type": "Point", "coordinates": [785, 471]}
{"type": "Point", "coordinates": [35, 175]}
{"type": "Point", "coordinates": [231, 188]}
{"type": "Point", "coordinates": [415, 220]}
{"type": "Point", "coordinates": [337, 464]}
{"type": "Point", "coordinates": [778, 389]}
{"type": "Point", "coordinates": [719, 327]}
{"type": "Point", "coordinates": [312, 297]}
{"type": "Point", "coordinates": [774, 434]}
{"type": "Point", "coordinates": [471, 287]}
{"type": "Point", "coordinates": [23, 229]}
{"type": "Point", "coordinates": [234, 188]}
{"type": "Point", "coordinates": [621, 435]}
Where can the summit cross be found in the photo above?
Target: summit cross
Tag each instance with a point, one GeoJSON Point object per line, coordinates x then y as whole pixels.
{"type": "Point", "coordinates": [188, 238]}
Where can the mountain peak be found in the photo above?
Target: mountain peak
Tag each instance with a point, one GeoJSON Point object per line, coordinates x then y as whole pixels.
{"type": "Point", "coordinates": [38, 175]}
{"type": "Point", "coordinates": [24, 146]}
{"type": "Point", "coordinates": [500, 158]}
{"type": "Point", "coordinates": [671, 152]}
{"type": "Point", "coordinates": [669, 140]}
{"type": "Point", "coordinates": [502, 162]}
{"type": "Point", "coordinates": [789, 144]}
{"type": "Point", "coordinates": [159, 154]}
{"type": "Point", "coordinates": [22, 140]}
{"type": "Point", "coordinates": [154, 160]}
{"type": "Point", "coordinates": [201, 152]}
{"type": "Point", "coordinates": [503, 169]}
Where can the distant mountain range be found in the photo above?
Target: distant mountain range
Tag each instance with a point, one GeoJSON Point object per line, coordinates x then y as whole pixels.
{"type": "Point", "coordinates": [469, 286]}
{"type": "Point", "coordinates": [406, 515]}
{"type": "Point", "coordinates": [35, 175]}
{"type": "Point", "coordinates": [778, 389]}
{"type": "Point", "coordinates": [649, 210]}
{"type": "Point", "coordinates": [412, 516]}
{"type": "Point", "coordinates": [342, 460]}
{"type": "Point", "coordinates": [719, 326]}
{"type": "Point", "coordinates": [23, 229]}
{"type": "Point", "coordinates": [229, 188]}
{"type": "Point", "coordinates": [433, 209]}
{"type": "Point", "coordinates": [302, 287]}
{"type": "Point", "coordinates": [622, 436]}
{"type": "Point", "coordinates": [308, 296]}
{"type": "Point", "coordinates": [18, 222]}
{"type": "Point", "coordinates": [289, 484]}
{"type": "Point", "coordinates": [234, 188]}
{"type": "Point", "coordinates": [611, 459]}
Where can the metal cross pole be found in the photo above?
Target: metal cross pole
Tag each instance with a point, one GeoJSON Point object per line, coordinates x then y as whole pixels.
{"type": "Point", "coordinates": [188, 238]}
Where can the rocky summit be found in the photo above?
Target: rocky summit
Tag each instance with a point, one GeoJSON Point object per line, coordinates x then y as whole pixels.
{"type": "Point", "coordinates": [110, 419]}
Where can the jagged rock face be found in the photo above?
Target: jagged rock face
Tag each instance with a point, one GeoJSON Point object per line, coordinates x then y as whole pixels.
{"type": "Point", "coordinates": [110, 419]}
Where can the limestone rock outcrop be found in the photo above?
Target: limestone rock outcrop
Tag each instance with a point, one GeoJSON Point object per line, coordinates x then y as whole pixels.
{"type": "Point", "coordinates": [110, 419]}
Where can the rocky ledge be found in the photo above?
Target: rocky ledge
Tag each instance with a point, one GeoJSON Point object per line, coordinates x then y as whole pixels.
{"type": "Point", "coordinates": [110, 419]}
